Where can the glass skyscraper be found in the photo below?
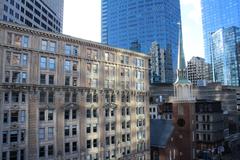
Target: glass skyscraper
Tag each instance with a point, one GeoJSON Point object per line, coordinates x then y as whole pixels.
{"type": "Point", "coordinates": [135, 24]}
{"type": "Point", "coordinates": [43, 14]}
{"type": "Point", "coordinates": [215, 15]}
{"type": "Point", "coordinates": [225, 51]}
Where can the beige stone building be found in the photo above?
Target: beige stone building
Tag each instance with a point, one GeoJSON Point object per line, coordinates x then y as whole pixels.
{"type": "Point", "coordinates": [66, 98]}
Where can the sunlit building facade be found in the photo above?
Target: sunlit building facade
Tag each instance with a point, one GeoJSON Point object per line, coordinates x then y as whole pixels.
{"type": "Point", "coordinates": [217, 14]}
{"type": "Point", "coordinates": [67, 98]}
{"type": "Point", "coordinates": [226, 51]}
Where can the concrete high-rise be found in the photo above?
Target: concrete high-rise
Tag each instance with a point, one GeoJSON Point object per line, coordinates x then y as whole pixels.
{"type": "Point", "coordinates": [199, 72]}
{"type": "Point", "coordinates": [160, 65]}
{"type": "Point", "coordinates": [67, 98]}
{"type": "Point", "coordinates": [215, 15]}
{"type": "Point", "coordinates": [43, 14]}
{"type": "Point", "coordinates": [127, 21]}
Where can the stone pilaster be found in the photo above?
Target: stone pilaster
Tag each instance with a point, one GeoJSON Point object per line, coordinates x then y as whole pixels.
{"type": "Point", "coordinates": [59, 106]}
{"type": "Point", "coordinates": [33, 125]}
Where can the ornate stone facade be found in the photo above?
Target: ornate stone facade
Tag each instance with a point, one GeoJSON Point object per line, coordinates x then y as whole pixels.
{"type": "Point", "coordinates": [66, 98]}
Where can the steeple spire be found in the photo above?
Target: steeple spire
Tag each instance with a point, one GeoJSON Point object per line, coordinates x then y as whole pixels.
{"type": "Point", "coordinates": [181, 70]}
{"type": "Point", "coordinates": [182, 86]}
{"type": "Point", "coordinates": [181, 57]}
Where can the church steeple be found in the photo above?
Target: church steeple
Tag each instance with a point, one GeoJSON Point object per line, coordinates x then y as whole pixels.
{"type": "Point", "coordinates": [182, 86]}
{"type": "Point", "coordinates": [181, 70]}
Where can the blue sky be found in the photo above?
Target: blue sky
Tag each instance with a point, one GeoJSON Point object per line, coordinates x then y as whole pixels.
{"type": "Point", "coordinates": [82, 18]}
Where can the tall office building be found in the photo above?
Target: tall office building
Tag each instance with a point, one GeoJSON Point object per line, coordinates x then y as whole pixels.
{"type": "Point", "coordinates": [66, 98]}
{"type": "Point", "coordinates": [128, 21]}
{"type": "Point", "coordinates": [160, 65]}
{"type": "Point", "coordinates": [43, 14]}
{"type": "Point", "coordinates": [226, 50]}
{"type": "Point", "coordinates": [215, 15]}
{"type": "Point", "coordinates": [199, 72]}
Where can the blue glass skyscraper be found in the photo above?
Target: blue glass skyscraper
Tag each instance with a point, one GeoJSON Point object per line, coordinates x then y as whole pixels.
{"type": "Point", "coordinates": [225, 51]}
{"type": "Point", "coordinates": [129, 23]}
{"type": "Point", "coordinates": [215, 15]}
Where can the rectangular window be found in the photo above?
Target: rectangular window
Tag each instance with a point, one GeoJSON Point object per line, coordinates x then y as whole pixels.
{"type": "Point", "coordinates": [74, 97]}
{"type": "Point", "coordinates": [42, 115]}
{"type": "Point", "coordinates": [16, 77]}
{"type": "Point", "coordinates": [43, 63]}
{"type": "Point", "coordinates": [42, 97]}
{"type": "Point", "coordinates": [22, 136]}
{"type": "Point", "coordinates": [41, 133]}
{"type": "Point", "coordinates": [24, 59]}
{"type": "Point", "coordinates": [16, 59]}
{"type": "Point", "coordinates": [95, 114]}
{"type": "Point", "coordinates": [50, 115]}
{"type": "Point", "coordinates": [9, 37]}
{"type": "Point", "coordinates": [4, 155]}
{"type": "Point", "coordinates": [89, 144]}
{"type": "Point", "coordinates": [67, 147]}
{"type": "Point", "coordinates": [74, 130]}
{"type": "Point", "coordinates": [75, 50]}
{"type": "Point", "coordinates": [22, 116]}
{"type": "Point", "coordinates": [88, 128]}
{"type": "Point", "coordinates": [5, 117]}
{"type": "Point", "coordinates": [68, 49]}
{"type": "Point", "coordinates": [42, 79]}
{"type": "Point", "coordinates": [75, 66]}
{"type": "Point", "coordinates": [67, 81]}
{"type": "Point", "coordinates": [88, 113]}
{"type": "Point", "coordinates": [50, 133]}
{"type": "Point", "coordinates": [15, 97]}
{"type": "Point", "coordinates": [7, 76]}
{"type": "Point", "coordinates": [44, 45]}
{"type": "Point", "coordinates": [18, 40]}
{"type": "Point", "coordinates": [67, 97]}
{"type": "Point", "coordinates": [50, 150]}
{"type": "Point", "coordinates": [24, 77]}
{"type": "Point", "coordinates": [14, 116]}
{"type": "Point", "coordinates": [6, 97]}
{"type": "Point", "coordinates": [74, 83]}
{"type": "Point", "coordinates": [14, 136]}
{"type": "Point", "coordinates": [95, 128]}
{"type": "Point", "coordinates": [74, 114]}
{"type": "Point", "coordinates": [50, 97]}
{"type": "Point", "coordinates": [51, 79]}
{"type": "Point", "coordinates": [13, 155]}
{"type": "Point", "coordinates": [52, 46]}
{"type": "Point", "coordinates": [5, 137]}
{"type": "Point", "coordinates": [66, 130]}
{"type": "Point", "coordinates": [67, 114]}
{"type": "Point", "coordinates": [25, 40]}
{"type": "Point", "coordinates": [52, 64]}
{"type": "Point", "coordinates": [74, 146]}
{"type": "Point", "coordinates": [67, 65]}
{"type": "Point", "coordinates": [95, 143]}
{"type": "Point", "coordinates": [42, 151]}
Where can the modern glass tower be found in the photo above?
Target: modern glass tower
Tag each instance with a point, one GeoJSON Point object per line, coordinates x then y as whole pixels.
{"type": "Point", "coordinates": [215, 15]}
{"type": "Point", "coordinates": [141, 22]}
{"type": "Point", "coordinates": [226, 50]}
{"type": "Point", "coordinates": [43, 14]}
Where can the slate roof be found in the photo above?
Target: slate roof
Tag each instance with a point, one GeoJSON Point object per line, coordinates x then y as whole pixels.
{"type": "Point", "coordinates": [161, 131]}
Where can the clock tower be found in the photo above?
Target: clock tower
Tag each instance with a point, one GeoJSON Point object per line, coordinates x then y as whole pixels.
{"type": "Point", "coordinates": [183, 104]}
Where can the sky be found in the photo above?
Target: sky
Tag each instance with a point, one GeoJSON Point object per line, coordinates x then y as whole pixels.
{"type": "Point", "coordinates": [82, 19]}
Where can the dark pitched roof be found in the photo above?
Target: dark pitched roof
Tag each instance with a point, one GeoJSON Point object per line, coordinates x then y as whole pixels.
{"type": "Point", "coordinates": [161, 130]}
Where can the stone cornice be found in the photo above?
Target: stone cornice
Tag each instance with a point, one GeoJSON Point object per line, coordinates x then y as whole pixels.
{"type": "Point", "coordinates": [67, 38]}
